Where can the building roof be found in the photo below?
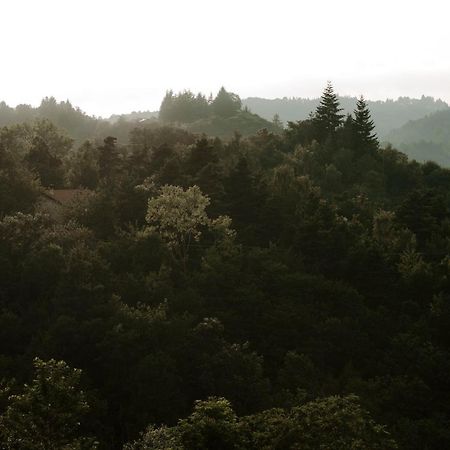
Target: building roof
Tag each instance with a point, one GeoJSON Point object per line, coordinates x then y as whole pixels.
{"type": "Point", "coordinates": [64, 196]}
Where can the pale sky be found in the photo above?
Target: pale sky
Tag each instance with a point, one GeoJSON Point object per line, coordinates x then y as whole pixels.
{"type": "Point", "coordinates": [111, 56]}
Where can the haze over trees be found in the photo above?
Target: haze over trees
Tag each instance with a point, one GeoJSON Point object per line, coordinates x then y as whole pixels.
{"type": "Point", "coordinates": [222, 115]}
{"type": "Point", "coordinates": [287, 289]}
{"type": "Point", "coordinates": [219, 116]}
{"type": "Point", "coordinates": [424, 139]}
{"type": "Point", "coordinates": [388, 114]}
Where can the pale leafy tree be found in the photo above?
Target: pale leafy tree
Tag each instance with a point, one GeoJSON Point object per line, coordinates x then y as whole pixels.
{"type": "Point", "coordinates": [413, 267]}
{"type": "Point", "coordinates": [179, 217]}
{"type": "Point", "coordinates": [212, 425]}
{"type": "Point", "coordinates": [392, 237]}
{"type": "Point", "coordinates": [47, 414]}
{"type": "Point", "coordinates": [332, 423]}
{"type": "Point", "coordinates": [162, 438]}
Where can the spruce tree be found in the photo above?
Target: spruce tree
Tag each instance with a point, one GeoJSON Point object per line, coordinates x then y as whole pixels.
{"type": "Point", "coordinates": [166, 108]}
{"type": "Point", "coordinates": [363, 126]}
{"type": "Point", "coordinates": [108, 158]}
{"type": "Point", "coordinates": [327, 117]}
{"type": "Point", "coordinates": [226, 104]}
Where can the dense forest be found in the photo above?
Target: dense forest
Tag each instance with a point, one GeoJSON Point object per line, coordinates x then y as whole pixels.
{"type": "Point", "coordinates": [288, 289]}
{"type": "Point", "coordinates": [418, 127]}
{"type": "Point", "coordinates": [77, 124]}
{"type": "Point", "coordinates": [218, 116]}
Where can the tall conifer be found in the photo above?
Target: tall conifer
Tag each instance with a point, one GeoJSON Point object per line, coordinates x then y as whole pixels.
{"type": "Point", "coordinates": [363, 125]}
{"type": "Point", "coordinates": [327, 116]}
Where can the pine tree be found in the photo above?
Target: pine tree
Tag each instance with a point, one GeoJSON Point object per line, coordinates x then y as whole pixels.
{"type": "Point", "coordinates": [363, 126]}
{"type": "Point", "coordinates": [226, 104]}
{"type": "Point", "coordinates": [327, 116]}
{"type": "Point", "coordinates": [108, 158]}
{"type": "Point", "coordinates": [166, 108]}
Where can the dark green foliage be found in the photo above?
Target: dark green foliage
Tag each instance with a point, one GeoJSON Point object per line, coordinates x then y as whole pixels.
{"type": "Point", "coordinates": [327, 117]}
{"type": "Point", "coordinates": [283, 272]}
{"type": "Point", "coordinates": [221, 116]}
{"type": "Point", "coordinates": [388, 114]}
{"type": "Point", "coordinates": [184, 107]}
{"type": "Point", "coordinates": [226, 104]}
{"type": "Point", "coordinates": [46, 166]}
{"type": "Point", "coordinates": [363, 126]}
{"type": "Point", "coordinates": [83, 167]}
{"type": "Point", "coordinates": [108, 159]}
{"type": "Point", "coordinates": [18, 187]}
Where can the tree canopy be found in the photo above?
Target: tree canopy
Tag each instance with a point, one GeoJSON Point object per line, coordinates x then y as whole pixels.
{"type": "Point", "coordinates": [282, 290]}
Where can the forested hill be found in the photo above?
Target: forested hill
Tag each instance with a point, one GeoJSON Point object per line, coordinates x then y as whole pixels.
{"type": "Point", "coordinates": [388, 114]}
{"type": "Point", "coordinates": [285, 290]}
{"type": "Point", "coordinates": [221, 116]}
{"type": "Point", "coordinates": [425, 139]}
{"type": "Point", "coordinates": [77, 124]}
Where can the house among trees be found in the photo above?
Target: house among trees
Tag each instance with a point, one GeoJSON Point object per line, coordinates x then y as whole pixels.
{"type": "Point", "coordinates": [55, 201]}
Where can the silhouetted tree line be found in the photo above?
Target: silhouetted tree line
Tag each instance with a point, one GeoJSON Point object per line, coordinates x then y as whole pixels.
{"type": "Point", "coordinates": [219, 116]}
{"type": "Point", "coordinates": [187, 107]}
{"type": "Point", "coordinates": [285, 290]}
{"type": "Point", "coordinates": [388, 114]}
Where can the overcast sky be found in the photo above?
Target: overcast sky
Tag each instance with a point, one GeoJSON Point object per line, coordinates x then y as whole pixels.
{"type": "Point", "coordinates": [111, 56]}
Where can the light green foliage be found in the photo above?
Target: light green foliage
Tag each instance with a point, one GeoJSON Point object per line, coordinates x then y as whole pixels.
{"type": "Point", "coordinates": [46, 414]}
{"type": "Point", "coordinates": [390, 235]}
{"type": "Point", "coordinates": [19, 138]}
{"type": "Point", "coordinates": [412, 266]}
{"type": "Point", "coordinates": [178, 214]}
{"type": "Point", "coordinates": [336, 423]}
{"type": "Point", "coordinates": [179, 217]}
{"type": "Point", "coordinates": [162, 438]}
{"type": "Point", "coordinates": [332, 423]}
{"type": "Point", "coordinates": [212, 424]}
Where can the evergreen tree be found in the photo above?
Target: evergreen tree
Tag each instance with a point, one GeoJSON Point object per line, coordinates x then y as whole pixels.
{"type": "Point", "coordinates": [363, 126]}
{"type": "Point", "coordinates": [327, 116]}
{"type": "Point", "coordinates": [45, 164]}
{"type": "Point", "coordinates": [108, 158]}
{"type": "Point", "coordinates": [277, 122]}
{"type": "Point", "coordinates": [83, 166]}
{"type": "Point", "coordinates": [166, 108]}
{"type": "Point", "coordinates": [226, 104]}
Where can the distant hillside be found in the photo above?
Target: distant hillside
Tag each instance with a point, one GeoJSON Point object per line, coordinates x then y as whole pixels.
{"type": "Point", "coordinates": [220, 119]}
{"type": "Point", "coordinates": [388, 114]}
{"type": "Point", "coordinates": [424, 139]}
{"type": "Point", "coordinates": [134, 116]}
{"type": "Point", "coordinates": [244, 122]}
{"type": "Point", "coordinates": [77, 124]}
{"type": "Point", "coordinates": [221, 116]}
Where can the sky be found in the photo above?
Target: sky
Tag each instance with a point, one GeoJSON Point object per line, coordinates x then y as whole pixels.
{"type": "Point", "coordinates": [114, 56]}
